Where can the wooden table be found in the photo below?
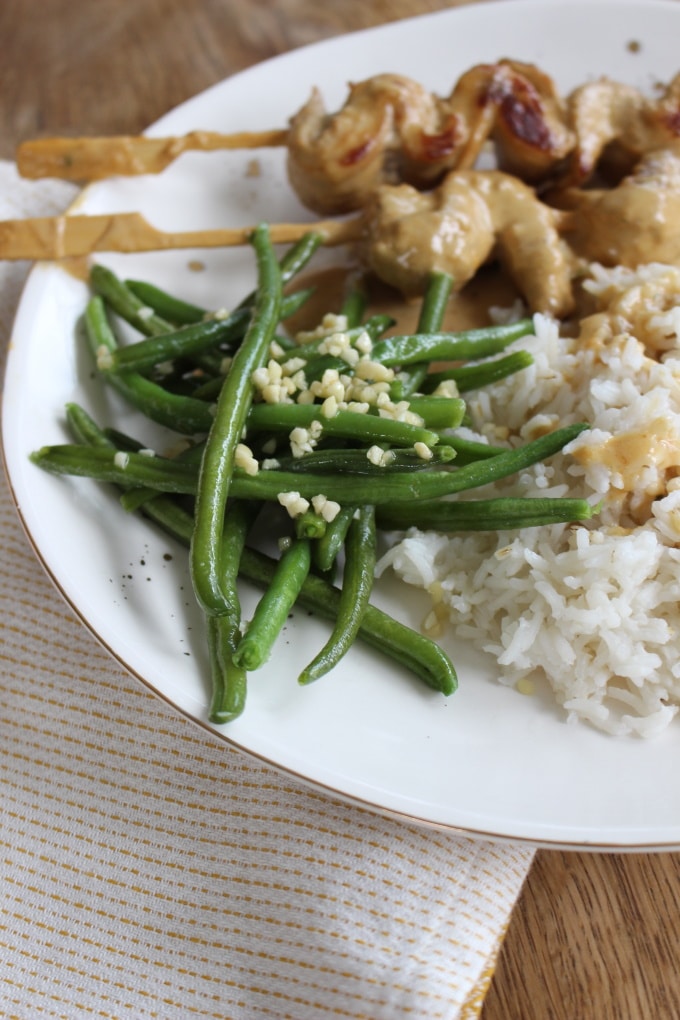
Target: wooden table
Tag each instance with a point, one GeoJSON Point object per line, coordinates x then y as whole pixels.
{"type": "Point", "coordinates": [593, 936]}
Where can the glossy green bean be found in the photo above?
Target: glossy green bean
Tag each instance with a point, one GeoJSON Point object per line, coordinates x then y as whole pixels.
{"type": "Point", "coordinates": [327, 548]}
{"type": "Point", "coordinates": [438, 412]}
{"type": "Point", "coordinates": [181, 413]}
{"type": "Point", "coordinates": [228, 678]}
{"type": "Point", "coordinates": [367, 428]}
{"type": "Point", "coordinates": [355, 593]}
{"type": "Point", "coordinates": [410, 649]}
{"type": "Point", "coordinates": [501, 514]}
{"type": "Point", "coordinates": [484, 373]}
{"type": "Point", "coordinates": [272, 610]}
{"type": "Point", "coordinates": [227, 430]}
{"type": "Point", "coordinates": [125, 303]}
{"type": "Point", "coordinates": [175, 476]}
{"type": "Point", "coordinates": [194, 339]}
{"type": "Point", "coordinates": [166, 306]}
{"type": "Point", "coordinates": [465, 345]}
{"type": "Point", "coordinates": [353, 461]}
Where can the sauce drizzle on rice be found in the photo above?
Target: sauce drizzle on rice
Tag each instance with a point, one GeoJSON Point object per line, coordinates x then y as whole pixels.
{"type": "Point", "coordinates": [592, 610]}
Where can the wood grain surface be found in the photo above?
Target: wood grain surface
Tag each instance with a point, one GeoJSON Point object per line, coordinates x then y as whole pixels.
{"type": "Point", "coordinates": [593, 936]}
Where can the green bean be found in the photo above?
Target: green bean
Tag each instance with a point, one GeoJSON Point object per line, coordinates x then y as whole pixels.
{"type": "Point", "coordinates": [352, 461]}
{"type": "Point", "coordinates": [310, 525]}
{"type": "Point", "coordinates": [435, 300]}
{"type": "Point", "coordinates": [194, 339]}
{"type": "Point", "coordinates": [273, 608]}
{"type": "Point", "coordinates": [344, 424]}
{"type": "Point", "coordinates": [474, 377]}
{"type": "Point", "coordinates": [501, 514]}
{"type": "Point", "coordinates": [227, 429]}
{"type": "Point", "coordinates": [327, 548]}
{"type": "Point", "coordinates": [467, 450]}
{"type": "Point", "coordinates": [181, 343]}
{"type": "Point", "coordinates": [181, 413]}
{"type": "Point", "coordinates": [209, 391]}
{"type": "Point", "coordinates": [292, 261]}
{"type": "Point", "coordinates": [430, 319]}
{"type": "Point", "coordinates": [438, 412]}
{"type": "Point", "coordinates": [84, 428]}
{"type": "Point", "coordinates": [464, 345]}
{"type": "Point", "coordinates": [174, 476]}
{"type": "Point", "coordinates": [229, 679]}
{"type": "Point", "coordinates": [409, 648]}
{"type": "Point", "coordinates": [118, 466]}
{"type": "Point", "coordinates": [121, 299]}
{"type": "Point", "coordinates": [169, 308]}
{"type": "Point", "coordinates": [354, 307]}
{"type": "Point", "coordinates": [357, 585]}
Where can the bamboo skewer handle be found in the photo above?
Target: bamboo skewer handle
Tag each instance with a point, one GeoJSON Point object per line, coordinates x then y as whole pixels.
{"type": "Point", "coordinates": [93, 159]}
{"type": "Point", "coordinates": [58, 237]}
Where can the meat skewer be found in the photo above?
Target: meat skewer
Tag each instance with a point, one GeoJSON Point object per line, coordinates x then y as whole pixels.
{"type": "Point", "coordinates": [403, 235]}
{"type": "Point", "coordinates": [391, 130]}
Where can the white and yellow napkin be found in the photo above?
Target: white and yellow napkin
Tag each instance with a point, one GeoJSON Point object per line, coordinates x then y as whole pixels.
{"type": "Point", "coordinates": [149, 871]}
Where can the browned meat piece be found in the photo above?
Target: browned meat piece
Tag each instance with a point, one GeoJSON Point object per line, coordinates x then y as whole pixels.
{"type": "Point", "coordinates": [529, 129]}
{"type": "Point", "coordinates": [633, 223]}
{"type": "Point", "coordinates": [470, 218]}
{"type": "Point", "coordinates": [615, 124]}
{"type": "Point", "coordinates": [391, 130]}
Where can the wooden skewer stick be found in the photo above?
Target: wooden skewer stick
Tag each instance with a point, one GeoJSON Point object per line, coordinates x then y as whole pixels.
{"type": "Point", "coordinates": [58, 237]}
{"type": "Point", "coordinates": [93, 159]}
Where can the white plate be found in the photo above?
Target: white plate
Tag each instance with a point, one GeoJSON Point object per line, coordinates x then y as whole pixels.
{"type": "Point", "coordinates": [486, 761]}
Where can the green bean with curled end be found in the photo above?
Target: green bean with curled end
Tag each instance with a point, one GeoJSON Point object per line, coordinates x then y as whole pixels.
{"type": "Point", "coordinates": [226, 432]}
{"type": "Point", "coordinates": [271, 612]}
{"type": "Point", "coordinates": [355, 593]}
{"type": "Point", "coordinates": [229, 679]}
{"type": "Point", "coordinates": [181, 413]}
{"type": "Point", "coordinates": [327, 548]}
{"type": "Point", "coordinates": [410, 348]}
{"type": "Point", "coordinates": [500, 514]}
{"type": "Point", "coordinates": [310, 525]}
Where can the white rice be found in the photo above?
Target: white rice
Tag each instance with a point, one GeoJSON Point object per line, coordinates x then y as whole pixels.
{"type": "Point", "coordinates": [594, 608]}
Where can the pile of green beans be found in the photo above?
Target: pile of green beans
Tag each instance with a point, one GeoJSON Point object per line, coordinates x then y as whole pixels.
{"type": "Point", "coordinates": [192, 370]}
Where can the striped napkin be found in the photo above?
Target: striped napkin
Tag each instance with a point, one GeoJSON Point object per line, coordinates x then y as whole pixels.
{"type": "Point", "coordinates": [149, 871]}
